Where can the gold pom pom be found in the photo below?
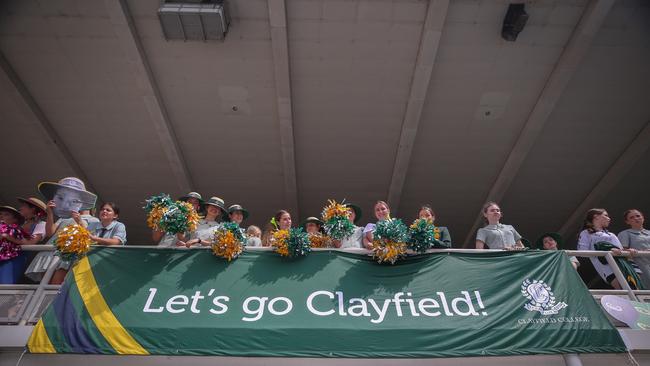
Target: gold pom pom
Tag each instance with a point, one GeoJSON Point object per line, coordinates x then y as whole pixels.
{"type": "Point", "coordinates": [319, 240]}
{"type": "Point", "coordinates": [334, 209]}
{"type": "Point", "coordinates": [192, 217]}
{"type": "Point", "coordinates": [226, 245]}
{"type": "Point", "coordinates": [74, 240]}
{"type": "Point", "coordinates": [280, 240]}
{"type": "Point", "coordinates": [388, 251]}
{"type": "Point", "coordinates": [154, 217]}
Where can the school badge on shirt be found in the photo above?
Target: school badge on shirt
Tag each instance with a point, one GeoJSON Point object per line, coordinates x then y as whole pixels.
{"type": "Point", "coordinates": [540, 297]}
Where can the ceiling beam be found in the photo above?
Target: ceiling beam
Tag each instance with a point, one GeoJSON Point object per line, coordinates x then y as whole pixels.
{"type": "Point", "coordinates": [11, 82]}
{"type": "Point", "coordinates": [281, 68]}
{"type": "Point", "coordinates": [568, 62]}
{"type": "Point", "coordinates": [130, 43]}
{"type": "Point", "coordinates": [626, 161]}
{"type": "Point", "coordinates": [429, 43]}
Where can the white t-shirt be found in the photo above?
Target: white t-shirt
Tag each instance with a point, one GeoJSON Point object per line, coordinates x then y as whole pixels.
{"type": "Point", "coordinates": [39, 229]}
{"type": "Point", "coordinates": [355, 240]}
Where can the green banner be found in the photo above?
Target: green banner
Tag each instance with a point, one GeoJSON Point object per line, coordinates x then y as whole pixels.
{"type": "Point", "coordinates": [327, 304]}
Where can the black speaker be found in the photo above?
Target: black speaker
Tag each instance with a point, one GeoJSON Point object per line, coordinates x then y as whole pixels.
{"type": "Point", "coordinates": [515, 20]}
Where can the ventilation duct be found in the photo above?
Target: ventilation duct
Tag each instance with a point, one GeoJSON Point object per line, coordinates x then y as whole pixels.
{"type": "Point", "coordinates": [194, 20]}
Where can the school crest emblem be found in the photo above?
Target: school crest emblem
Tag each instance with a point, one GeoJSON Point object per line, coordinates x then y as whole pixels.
{"type": "Point", "coordinates": [540, 297]}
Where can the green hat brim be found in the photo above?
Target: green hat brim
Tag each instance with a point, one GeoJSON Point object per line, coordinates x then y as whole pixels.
{"type": "Point", "coordinates": [186, 197]}
{"type": "Point", "coordinates": [224, 212]}
{"type": "Point", "coordinates": [243, 211]}
{"type": "Point", "coordinates": [358, 213]}
{"type": "Point", "coordinates": [314, 220]}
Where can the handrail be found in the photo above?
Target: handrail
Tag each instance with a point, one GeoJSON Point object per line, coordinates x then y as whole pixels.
{"type": "Point", "coordinates": [45, 281]}
{"type": "Point", "coordinates": [44, 285]}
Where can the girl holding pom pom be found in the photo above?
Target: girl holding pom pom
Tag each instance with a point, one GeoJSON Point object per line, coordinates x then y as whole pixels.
{"type": "Point", "coordinates": [441, 233]}
{"type": "Point", "coordinates": [382, 212]}
{"type": "Point", "coordinates": [280, 221]}
{"type": "Point", "coordinates": [203, 235]}
{"type": "Point", "coordinates": [356, 239]}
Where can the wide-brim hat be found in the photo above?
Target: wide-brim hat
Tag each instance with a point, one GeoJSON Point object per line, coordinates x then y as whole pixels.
{"type": "Point", "coordinates": [15, 212]}
{"type": "Point", "coordinates": [33, 201]}
{"type": "Point", "coordinates": [234, 208]}
{"type": "Point", "coordinates": [49, 190]}
{"type": "Point", "coordinates": [311, 219]}
{"type": "Point", "coordinates": [357, 211]}
{"type": "Point", "coordinates": [217, 202]}
{"type": "Point", "coordinates": [539, 244]}
{"type": "Point", "coordinates": [192, 195]}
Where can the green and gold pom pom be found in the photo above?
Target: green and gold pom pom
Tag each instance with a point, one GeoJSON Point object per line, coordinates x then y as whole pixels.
{"type": "Point", "coordinates": [73, 242]}
{"type": "Point", "coordinates": [179, 217]}
{"type": "Point", "coordinates": [155, 208]}
{"type": "Point", "coordinates": [337, 224]}
{"type": "Point", "coordinates": [422, 235]}
{"type": "Point", "coordinates": [291, 243]}
{"type": "Point", "coordinates": [229, 241]}
{"type": "Point", "coordinates": [389, 241]}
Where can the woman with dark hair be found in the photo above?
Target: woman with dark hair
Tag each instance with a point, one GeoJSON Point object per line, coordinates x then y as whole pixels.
{"type": "Point", "coordinates": [109, 231]}
{"type": "Point", "coordinates": [553, 241]}
{"type": "Point", "coordinates": [595, 231]}
{"type": "Point", "coordinates": [495, 235]}
{"type": "Point", "coordinates": [637, 238]}
{"type": "Point", "coordinates": [280, 221]}
{"type": "Point", "coordinates": [441, 232]}
{"type": "Point", "coordinates": [33, 210]}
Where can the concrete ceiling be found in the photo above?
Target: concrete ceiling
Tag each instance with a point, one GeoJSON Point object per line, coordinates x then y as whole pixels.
{"type": "Point", "coordinates": [413, 100]}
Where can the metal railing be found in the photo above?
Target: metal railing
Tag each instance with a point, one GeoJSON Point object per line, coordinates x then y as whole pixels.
{"type": "Point", "coordinates": [23, 304]}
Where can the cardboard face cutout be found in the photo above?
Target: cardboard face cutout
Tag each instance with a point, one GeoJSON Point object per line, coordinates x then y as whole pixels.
{"type": "Point", "coordinates": [69, 195]}
{"type": "Point", "coordinates": [67, 201]}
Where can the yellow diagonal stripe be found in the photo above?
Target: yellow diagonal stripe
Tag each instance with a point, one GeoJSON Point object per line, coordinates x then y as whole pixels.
{"type": "Point", "coordinates": [38, 341]}
{"type": "Point", "coordinates": [101, 314]}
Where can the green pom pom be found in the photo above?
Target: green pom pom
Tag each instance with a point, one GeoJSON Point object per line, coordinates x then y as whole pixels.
{"type": "Point", "coordinates": [392, 230]}
{"type": "Point", "coordinates": [298, 243]}
{"type": "Point", "coordinates": [175, 221]}
{"type": "Point", "coordinates": [160, 200]}
{"type": "Point", "coordinates": [421, 236]}
{"type": "Point", "coordinates": [235, 229]}
{"type": "Point", "coordinates": [339, 228]}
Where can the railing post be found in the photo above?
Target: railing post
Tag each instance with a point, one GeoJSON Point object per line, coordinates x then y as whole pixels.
{"type": "Point", "coordinates": [47, 276]}
{"type": "Point", "coordinates": [620, 277]}
{"type": "Point", "coordinates": [572, 359]}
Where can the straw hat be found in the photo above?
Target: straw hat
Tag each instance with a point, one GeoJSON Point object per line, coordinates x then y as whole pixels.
{"type": "Point", "coordinates": [15, 212]}
{"type": "Point", "coordinates": [33, 201]}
